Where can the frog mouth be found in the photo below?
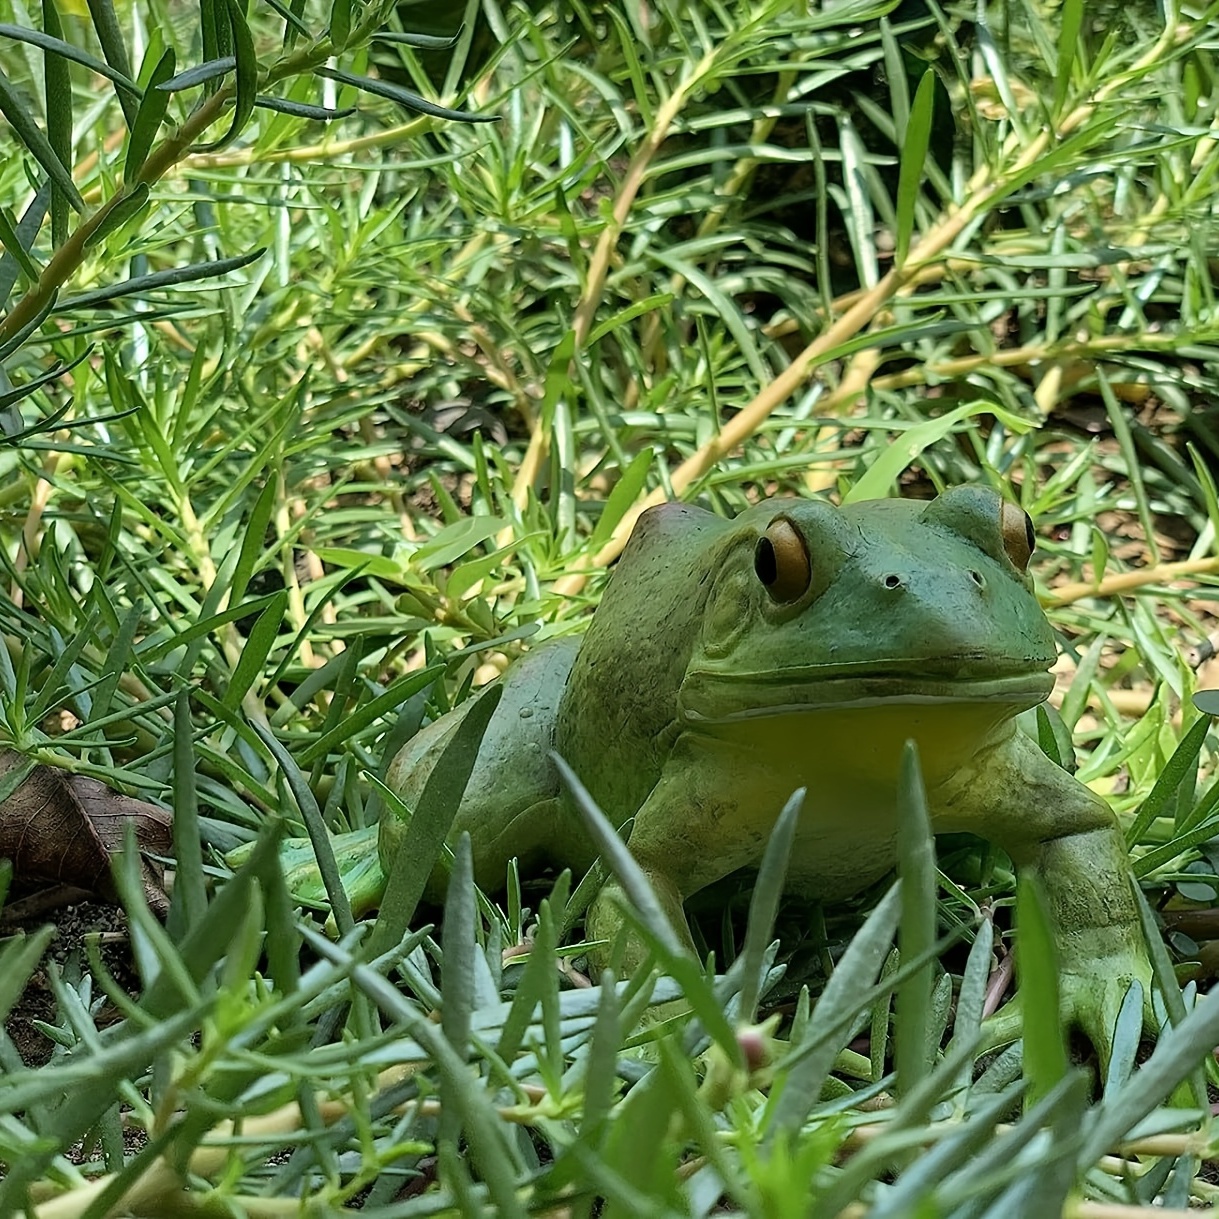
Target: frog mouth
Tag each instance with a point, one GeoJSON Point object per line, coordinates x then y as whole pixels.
{"type": "Point", "coordinates": [709, 696]}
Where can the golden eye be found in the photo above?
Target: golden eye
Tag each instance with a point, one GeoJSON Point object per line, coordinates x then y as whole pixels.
{"type": "Point", "coordinates": [781, 562]}
{"type": "Point", "coordinates": [1018, 536]}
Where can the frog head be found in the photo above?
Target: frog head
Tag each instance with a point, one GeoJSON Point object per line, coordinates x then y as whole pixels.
{"type": "Point", "coordinates": [877, 605]}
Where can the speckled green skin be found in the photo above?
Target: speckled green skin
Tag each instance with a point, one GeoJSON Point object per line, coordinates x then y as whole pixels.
{"type": "Point", "coordinates": [697, 705]}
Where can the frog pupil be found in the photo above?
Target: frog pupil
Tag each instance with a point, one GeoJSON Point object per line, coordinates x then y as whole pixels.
{"type": "Point", "coordinates": [1030, 536]}
{"type": "Point", "coordinates": [764, 562]}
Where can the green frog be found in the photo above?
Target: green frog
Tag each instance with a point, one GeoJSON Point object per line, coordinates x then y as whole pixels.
{"type": "Point", "coordinates": [799, 645]}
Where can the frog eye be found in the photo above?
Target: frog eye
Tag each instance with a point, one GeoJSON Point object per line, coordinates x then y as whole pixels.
{"type": "Point", "coordinates": [781, 562]}
{"type": "Point", "coordinates": [1018, 536]}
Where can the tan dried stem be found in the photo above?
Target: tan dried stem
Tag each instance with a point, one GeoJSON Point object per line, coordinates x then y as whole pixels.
{"type": "Point", "coordinates": [983, 191]}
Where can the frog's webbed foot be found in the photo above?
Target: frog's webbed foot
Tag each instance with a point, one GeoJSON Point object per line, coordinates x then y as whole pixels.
{"type": "Point", "coordinates": [1092, 999]}
{"type": "Point", "coordinates": [359, 869]}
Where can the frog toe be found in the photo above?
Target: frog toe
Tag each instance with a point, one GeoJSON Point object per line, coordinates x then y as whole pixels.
{"type": "Point", "coordinates": [359, 867]}
{"type": "Point", "coordinates": [1094, 1003]}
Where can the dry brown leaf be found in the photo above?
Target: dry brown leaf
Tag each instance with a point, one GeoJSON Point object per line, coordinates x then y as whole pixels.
{"type": "Point", "coordinates": [65, 828]}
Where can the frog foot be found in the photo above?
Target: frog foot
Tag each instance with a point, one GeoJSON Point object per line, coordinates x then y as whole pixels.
{"type": "Point", "coordinates": [359, 869]}
{"type": "Point", "coordinates": [1091, 1000]}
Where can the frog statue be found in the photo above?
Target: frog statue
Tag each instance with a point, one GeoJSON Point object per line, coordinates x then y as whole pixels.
{"type": "Point", "coordinates": [799, 645]}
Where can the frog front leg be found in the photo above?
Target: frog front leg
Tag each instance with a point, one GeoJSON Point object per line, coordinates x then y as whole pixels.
{"type": "Point", "coordinates": [690, 832]}
{"type": "Point", "coordinates": [1054, 827]}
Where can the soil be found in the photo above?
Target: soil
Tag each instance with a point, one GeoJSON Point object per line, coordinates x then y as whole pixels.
{"type": "Point", "coordinates": [67, 954]}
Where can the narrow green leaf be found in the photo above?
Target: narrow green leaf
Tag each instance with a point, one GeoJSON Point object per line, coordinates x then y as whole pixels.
{"type": "Point", "coordinates": [457, 964]}
{"type": "Point", "coordinates": [156, 647]}
{"type": "Point", "coordinates": [855, 972]}
{"type": "Point", "coordinates": [214, 29]}
{"type": "Point", "coordinates": [429, 826]}
{"type": "Point", "coordinates": [628, 44]}
{"type": "Point", "coordinates": [913, 159]}
{"type": "Point", "coordinates": [764, 905]}
{"type": "Point", "coordinates": [1070, 20]}
{"type": "Point", "coordinates": [621, 862]}
{"type": "Point", "coordinates": [189, 902]}
{"type": "Point", "coordinates": [19, 957]}
{"type": "Point", "coordinates": [110, 38]}
{"type": "Point", "coordinates": [949, 1153]}
{"type": "Point", "coordinates": [1127, 1034]}
{"type": "Point", "coordinates": [429, 42]}
{"type": "Point", "coordinates": [340, 23]}
{"type": "Point", "coordinates": [895, 75]}
{"type": "Point", "coordinates": [319, 836]}
{"type": "Point", "coordinates": [600, 1064]}
{"type": "Point", "coordinates": [649, 304]}
{"type": "Point", "coordinates": [140, 285]}
{"type": "Point", "coordinates": [283, 941]}
{"type": "Point", "coordinates": [404, 97]}
{"type": "Point", "coordinates": [875, 1157]}
{"type": "Point", "coordinates": [1176, 1056]}
{"type": "Point", "coordinates": [916, 933]}
{"type": "Point", "coordinates": [624, 494]}
{"type": "Point", "coordinates": [1144, 865]}
{"type": "Point", "coordinates": [302, 110]}
{"type": "Point", "coordinates": [148, 119]}
{"type": "Point", "coordinates": [232, 14]}
{"type": "Point", "coordinates": [972, 996]}
{"type": "Point", "coordinates": [454, 541]}
{"type": "Point", "coordinates": [245, 945]}
{"type": "Point", "coordinates": [968, 1189]}
{"type": "Point", "coordinates": [53, 373]}
{"type": "Point", "coordinates": [121, 209]}
{"type": "Point", "coordinates": [480, 1122]}
{"type": "Point", "coordinates": [253, 540]}
{"type": "Point", "coordinates": [14, 108]}
{"type": "Point", "coordinates": [257, 649]}
{"type": "Point", "coordinates": [199, 75]}
{"type": "Point", "coordinates": [54, 684]}
{"type": "Point", "coordinates": [909, 444]}
{"type": "Point", "coordinates": [855, 200]}
{"type": "Point", "coordinates": [528, 997]}
{"type": "Point", "coordinates": [16, 240]}
{"type": "Point", "coordinates": [55, 45]}
{"type": "Point", "coordinates": [116, 661]}
{"type": "Point", "coordinates": [125, 1058]}
{"type": "Point", "coordinates": [1184, 760]}
{"type": "Point", "coordinates": [391, 697]}
{"type": "Point", "coordinates": [1045, 1053]}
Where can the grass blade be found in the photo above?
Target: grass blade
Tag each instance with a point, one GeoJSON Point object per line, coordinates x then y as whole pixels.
{"type": "Point", "coordinates": [916, 141]}
{"type": "Point", "coordinates": [916, 933]}
{"type": "Point", "coordinates": [1045, 1053]}
{"type": "Point", "coordinates": [15, 109]}
{"type": "Point", "coordinates": [764, 905]}
{"type": "Point", "coordinates": [140, 285]}
{"type": "Point", "coordinates": [404, 97]}
{"type": "Point", "coordinates": [114, 47]}
{"type": "Point", "coordinates": [429, 826]}
{"type": "Point", "coordinates": [1070, 23]}
{"type": "Point", "coordinates": [54, 44]}
{"type": "Point", "coordinates": [148, 118]}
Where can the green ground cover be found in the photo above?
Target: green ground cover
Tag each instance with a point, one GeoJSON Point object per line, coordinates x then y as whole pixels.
{"type": "Point", "coordinates": [322, 398]}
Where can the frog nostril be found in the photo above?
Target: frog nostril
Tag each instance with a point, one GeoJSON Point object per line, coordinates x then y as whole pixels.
{"type": "Point", "coordinates": [894, 581]}
{"type": "Point", "coordinates": [977, 578]}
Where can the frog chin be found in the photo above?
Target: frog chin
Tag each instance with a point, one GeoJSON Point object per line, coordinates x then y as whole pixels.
{"type": "Point", "coordinates": [852, 731]}
{"type": "Point", "coordinates": [710, 699]}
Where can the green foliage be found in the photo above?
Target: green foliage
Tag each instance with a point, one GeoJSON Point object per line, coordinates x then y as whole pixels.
{"type": "Point", "coordinates": [312, 410]}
